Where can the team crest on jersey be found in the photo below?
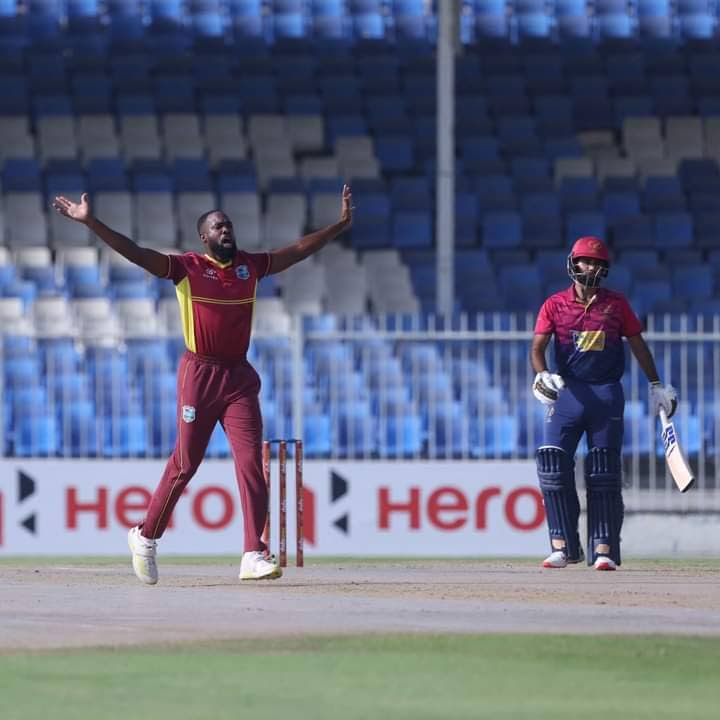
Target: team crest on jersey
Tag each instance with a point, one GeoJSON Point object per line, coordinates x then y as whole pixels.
{"type": "Point", "coordinates": [589, 340]}
{"type": "Point", "coordinates": [188, 413]}
{"type": "Point", "coordinates": [210, 274]}
{"type": "Point", "coordinates": [242, 272]}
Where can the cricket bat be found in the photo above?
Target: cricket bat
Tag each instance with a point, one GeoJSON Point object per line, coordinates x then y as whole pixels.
{"type": "Point", "coordinates": [676, 462]}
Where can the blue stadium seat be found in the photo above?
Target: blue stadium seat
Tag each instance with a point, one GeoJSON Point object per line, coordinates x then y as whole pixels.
{"type": "Point", "coordinates": [620, 279]}
{"type": "Point", "coordinates": [578, 194]}
{"type": "Point", "coordinates": [698, 26]}
{"type": "Point", "coordinates": [647, 294]}
{"type": "Point", "coordinates": [21, 362]}
{"type": "Point", "coordinates": [84, 16]}
{"type": "Point", "coordinates": [368, 26]}
{"type": "Point", "coordinates": [581, 224]}
{"type": "Point", "coordinates": [401, 436]}
{"type": "Point", "coordinates": [353, 429]}
{"type": "Point", "coordinates": [124, 435]}
{"type": "Point", "coordinates": [317, 438]}
{"type": "Point", "coordinates": [466, 219]}
{"type": "Point", "coordinates": [106, 174]}
{"type": "Point", "coordinates": [395, 153]}
{"type": "Point", "coordinates": [21, 175]}
{"type": "Point", "coordinates": [634, 232]}
{"type": "Point", "coordinates": [78, 436]}
{"type": "Point", "coordinates": [620, 206]}
{"type": "Point", "coordinates": [92, 93]}
{"type": "Point", "coordinates": [410, 193]}
{"type": "Point", "coordinates": [174, 92]}
{"type": "Point", "coordinates": [518, 135]}
{"type": "Point", "coordinates": [534, 25]}
{"type": "Point", "coordinates": [671, 95]}
{"type": "Point", "coordinates": [492, 27]}
{"type": "Point", "coordinates": [673, 230]}
{"type": "Point", "coordinates": [694, 282]}
{"type": "Point", "coordinates": [540, 203]}
{"type": "Point", "coordinates": [502, 229]}
{"type": "Point", "coordinates": [614, 26]}
{"type": "Point", "coordinates": [35, 435]}
{"type": "Point", "coordinates": [192, 175]}
{"type": "Point", "coordinates": [236, 177]}
{"type": "Point", "coordinates": [64, 176]}
{"type": "Point", "coordinates": [44, 17]}
{"type": "Point", "coordinates": [16, 93]}
{"type": "Point", "coordinates": [531, 174]}
{"type": "Point", "coordinates": [638, 259]}
{"type": "Point", "coordinates": [13, 29]}
{"type": "Point", "coordinates": [495, 192]}
{"type": "Point", "coordinates": [498, 437]}
{"type": "Point", "coordinates": [707, 229]}
{"type": "Point", "coordinates": [127, 26]}
{"type": "Point", "coordinates": [43, 278]}
{"type": "Point", "coordinates": [554, 115]}
{"type": "Point", "coordinates": [638, 434]}
{"type": "Point", "coordinates": [562, 147]}
{"type": "Point", "coordinates": [247, 18]}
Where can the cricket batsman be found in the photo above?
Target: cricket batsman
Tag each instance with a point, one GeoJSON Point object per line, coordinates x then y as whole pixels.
{"type": "Point", "coordinates": [585, 395]}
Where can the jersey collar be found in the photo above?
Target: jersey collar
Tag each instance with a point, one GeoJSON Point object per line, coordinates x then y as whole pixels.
{"type": "Point", "coordinates": [222, 266]}
{"type": "Point", "coordinates": [572, 297]}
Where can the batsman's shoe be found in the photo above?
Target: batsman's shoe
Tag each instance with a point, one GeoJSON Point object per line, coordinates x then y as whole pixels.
{"type": "Point", "coordinates": [603, 562]}
{"type": "Point", "coordinates": [558, 559]}
{"type": "Point", "coordinates": [143, 556]}
{"type": "Point", "coordinates": [255, 566]}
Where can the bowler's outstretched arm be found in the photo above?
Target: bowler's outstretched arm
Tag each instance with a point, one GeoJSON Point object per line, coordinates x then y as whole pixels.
{"type": "Point", "coordinates": [154, 262]}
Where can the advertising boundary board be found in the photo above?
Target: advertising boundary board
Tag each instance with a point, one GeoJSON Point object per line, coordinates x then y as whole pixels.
{"type": "Point", "coordinates": [363, 509]}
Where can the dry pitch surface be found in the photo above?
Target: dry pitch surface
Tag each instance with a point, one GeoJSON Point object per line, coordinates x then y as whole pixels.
{"type": "Point", "coordinates": [56, 605]}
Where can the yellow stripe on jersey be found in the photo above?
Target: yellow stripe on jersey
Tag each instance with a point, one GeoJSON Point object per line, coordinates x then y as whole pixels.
{"type": "Point", "coordinates": [182, 289]}
{"type": "Point", "coordinates": [590, 340]}
{"type": "Point", "coordinates": [252, 312]}
{"type": "Point", "coordinates": [217, 301]}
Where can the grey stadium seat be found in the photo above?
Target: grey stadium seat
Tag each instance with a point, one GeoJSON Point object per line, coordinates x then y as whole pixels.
{"type": "Point", "coordinates": [155, 219]}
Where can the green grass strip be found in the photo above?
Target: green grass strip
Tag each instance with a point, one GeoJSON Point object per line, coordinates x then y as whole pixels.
{"type": "Point", "coordinates": [348, 678]}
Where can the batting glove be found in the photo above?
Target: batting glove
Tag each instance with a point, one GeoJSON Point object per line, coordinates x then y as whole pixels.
{"type": "Point", "coordinates": [547, 386]}
{"type": "Point", "coordinates": [662, 396]}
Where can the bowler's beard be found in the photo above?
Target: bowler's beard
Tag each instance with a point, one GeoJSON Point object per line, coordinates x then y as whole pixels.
{"type": "Point", "coordinates": [224, 254]}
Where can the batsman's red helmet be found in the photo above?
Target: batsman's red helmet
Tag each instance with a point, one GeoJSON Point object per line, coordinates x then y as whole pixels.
{"type": "Point", "coordinates": [590, 247]}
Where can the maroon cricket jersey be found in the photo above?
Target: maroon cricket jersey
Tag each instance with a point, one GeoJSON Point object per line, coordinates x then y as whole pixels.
{"type": "Point", "coordinates": [217, 301]}
{"type": "Point", "coordinates": [588, 337]}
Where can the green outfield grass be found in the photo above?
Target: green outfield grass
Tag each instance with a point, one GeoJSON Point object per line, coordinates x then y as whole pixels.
{"type": "Point", "coordinates": [310, 678]}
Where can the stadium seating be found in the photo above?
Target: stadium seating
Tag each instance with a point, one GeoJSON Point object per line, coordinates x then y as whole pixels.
{"type": "Point", "coordinates": [571, 118]}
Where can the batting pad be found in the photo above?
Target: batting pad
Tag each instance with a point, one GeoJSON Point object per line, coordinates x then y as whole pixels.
{"type": "Point", "coordinates": [605, 508]}
{"type": "Point", "coordinates": [556, 472]}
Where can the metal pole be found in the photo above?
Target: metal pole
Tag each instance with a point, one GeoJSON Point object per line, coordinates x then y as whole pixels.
{"type": "Point", "coordinates": [298, 376]}
{"type": "Point", "coordinates": [445, 170]}
{"type": "Point", "coordinates": [282, 492]}
{"type": "Point", "coordinates": [299, 505]}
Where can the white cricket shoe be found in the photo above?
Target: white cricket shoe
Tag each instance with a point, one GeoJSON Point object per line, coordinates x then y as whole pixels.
{"type": "Point", "coordinates": [255, 566]}
{"type": "Point", "coordinates": [603, 562]}
{"type": "Point", "coordinates": [558, 559]}
{"type": "Point", "coordinates": [143, 556]}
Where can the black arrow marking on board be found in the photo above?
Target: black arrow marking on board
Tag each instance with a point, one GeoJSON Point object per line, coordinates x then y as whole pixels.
{"type": "Point", "coordinates": [26, 486]}
{"type": "Point", "coordinates": [343, 523]}
{"type": "Point", "coordinates": [338, 486]}
{"type": "Point", "coordinates": [29, 523]}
